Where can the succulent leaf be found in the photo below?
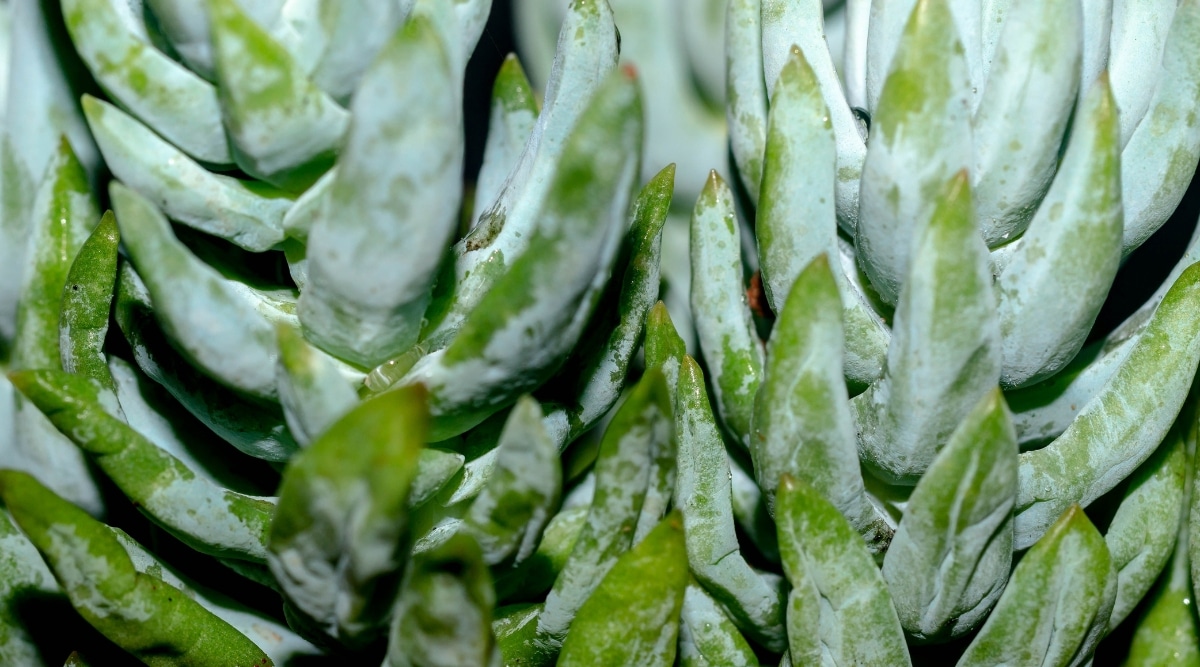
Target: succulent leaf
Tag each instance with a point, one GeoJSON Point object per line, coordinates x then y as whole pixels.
{"type": "Point", "coordinates": [1057, 602]}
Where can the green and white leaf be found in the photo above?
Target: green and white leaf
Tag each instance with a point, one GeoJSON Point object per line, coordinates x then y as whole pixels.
{"type": "Point", "coordinates": [950, 558]}
{"type": "Point", "coordinates": [1055, 608]}
{"type": "Point", "coordinates": [920, 138]}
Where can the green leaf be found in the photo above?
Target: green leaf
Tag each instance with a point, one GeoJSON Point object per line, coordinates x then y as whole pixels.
{"type": "Point", "coordinates": [706, 634]}
{"type": "Point", "coordinates": [533, 316]}
{"type": "Point", "coordinates": [256, 428]}
{"type": "Point", "coordinates": [443, 615]}
{"type": "Point", "coordinates": [839, 603]}
{"type": "Point", "coordinates": [246, 213]}
{"type": "Point", "coordinates": [1159, 159]}
{"type": "Point", "coordinates": [312, 388]}
{"type": "Point", "coordinates": [802, 420]}
{"type": "Point", "coordinates": [632, 618]}
{"type": "Point", "coordinates": [337, 541]}
{"type": "Point", "coordinates": [703, 493]}
{"type": "Point", "coordinates": [1141, 535]}
{"type": "Point", "coordinates": [950, 558]}
{"type": "Point", "coordinates": [745, 91]}
{"type": "Point", "coordinates": [393, 206]}
{"type": "Point", "coordinates": [207, 518]}
{"type": "Point", "coordinates": [522, 490]}
{"type": "Point", "coordinates": [215, 322]}
{"type": "Point", "coordinates": [513, 115]}
{"type": "Point", "coordinates": [593, 377]}
{"type": "Point", "coordinates": [1056, 605]}
{"type": "Point", "coordinates": [947, 305]}
{"type": "Point", "coordinates": [1123, 424]}
{"type": "Point", "coordinates": [1023, 111]}
{"type": "Point", "coordinates": [283, 129]}
{"type": "Point", "coordinates": [1060, 273]}
{"type": "Point", "coordinates": [175, 103]}
{"type": "Point", "coordinates": [622, 475]}
{"type": "Point", "coordinates": [920, 138]}
{"type": "Point", "coordinates": [141, 613]}
{"type": "Point", "coordinates": [587, 53]}
{"type": "Point", "coordinates": [719, 307]}
{"type": "Point", "coordinates": [86, 302]}
{"type": "Point", "coordinates": [797, 29]}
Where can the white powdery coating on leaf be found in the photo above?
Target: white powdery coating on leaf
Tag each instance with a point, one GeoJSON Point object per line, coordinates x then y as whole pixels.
{"type": "Point", "coordinates": [192, 506]}
{"type": "Point", "coordinates": [80, 570]}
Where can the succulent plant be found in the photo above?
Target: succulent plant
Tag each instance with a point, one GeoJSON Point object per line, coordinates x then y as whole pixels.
{"type": "Point", "coordinates": [929, 288]}
{"type": "Point", "coordinates": [348, 395]}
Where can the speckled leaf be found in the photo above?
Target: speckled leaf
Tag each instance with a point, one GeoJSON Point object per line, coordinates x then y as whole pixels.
{"type": "Point", "coordinates": [61, 218]}
{"type": "Point", "coordinates": [246, 213]}
{"type": "Point", "coordinates": [514, 626]}
{"type": "Point", "coordinates": [1023, 111]}
{"type": "Point", "coordinates": [587, 53]}
{"type": "Point", "coordinates": [920, 138]}
{"type": "Point", "coordinates": [1050, 292]}
{"type": "Point", "coordinates": [1159, 159]}
{"type": "Point", "coordinates": [312, 388]}
{"type": "Point", "coordinates": [208, 518]}
{"type": "Point", "coordinates": [663, 347]}
{"type": "Point", "coordinates": [215, 322]}
{"type": "Point", "coordinates": [337, 541]}
{"type": "Point", "coordinates": [947, 305]}
{"type": "Point", "coordinates": [523, 488]}
{"type": "Point", "coordinates": [622, 475]}
{"type": "Point", "coordinates": [373, 257]}
{"type": "Point", "coordinates": [514, 113]}
{"type": "Point", "coordinates": [443, 615]}
{"type": "Point", "coordinates": [593, 377]}
{"type": "Point", "coordinates": [788, 25]}
{"type": "Point", "coordinates": [951, 555]}
{"type": "Point", "coordinates": [703, 494]}
{"type": "Point", "coordinates": [63, 215]}
{"type": "Point", "coordinates": [283, 129]}
{"type": "Point", "coordinates": [1056, 605]}
{"type": "Point", "coordinates": [802, 420]}
{"type": "Point", "coordinates": [255, 428]}
{"type": "Point", "coordinates": [533, 316]}
{"type": "Point", "coordinates": [1043, 411]}
{"type": "Point", "coordinates": [888, 22]}
{"type": "Point", "coordinates": [1141, 535]}
{"type": "Point", "coordinates": [720, 308]}
{"type": "Point", "coordinates": [745, 91]}
{"type": "Point", "coordinates": [797, 220]}
{"type": "Point", "coordinates": [274, 637]}
{"type": "Point", "coordinates": [707, 636]}
{"type": "Point", "coordinates": [139, 612]}
{"type": "Point", "coordinates": [839, 611]}
{"type": "Point", "coordinates": [632, 618]}
{"type": "Point", "coordinates": [1123, 424]}
{"type": "Point", "coordinates": [86, 301]}
{"type": "Point", "coordinates": [113, 42]}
